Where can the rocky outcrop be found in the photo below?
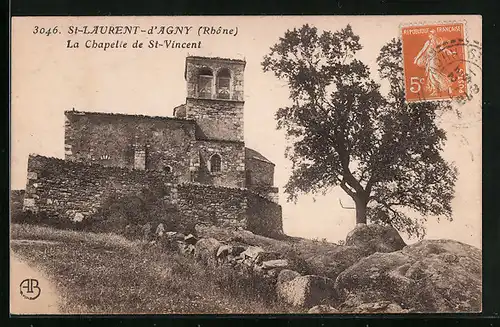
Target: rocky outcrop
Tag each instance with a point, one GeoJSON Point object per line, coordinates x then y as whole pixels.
{"type": "Point", "coordinates": [307, 291]}
{"type": "Point", "coordinates": [322, 309]}
{"type": "Point", "coordinates": [376, 307]}
{"type": "Point", "coordinates": [332, 263]}
{"type": "Point", "coordinates": [429, 276]}
{"type": "Point", "coordinates": [273, 264]}
{"type": "Point", "coordinates": [375, 238]}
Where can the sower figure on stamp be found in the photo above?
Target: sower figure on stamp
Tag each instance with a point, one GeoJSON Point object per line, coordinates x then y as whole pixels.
{"type": "Point", "coordinates": [437, 81]}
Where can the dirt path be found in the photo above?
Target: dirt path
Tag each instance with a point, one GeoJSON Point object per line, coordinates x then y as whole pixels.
{"type": "Point", "coordinates": [47, 300]}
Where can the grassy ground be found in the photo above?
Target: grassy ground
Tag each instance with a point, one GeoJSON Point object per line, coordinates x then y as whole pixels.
{"type": "Point", "coordinates": [108, 274]}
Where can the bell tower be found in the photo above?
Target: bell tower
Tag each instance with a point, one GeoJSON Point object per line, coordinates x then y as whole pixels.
{"type": "Point", "coordinates": [215, 97]}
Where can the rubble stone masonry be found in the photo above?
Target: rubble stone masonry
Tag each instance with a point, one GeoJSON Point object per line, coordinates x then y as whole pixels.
{"type": "Point", "coordinates": [76, 190]}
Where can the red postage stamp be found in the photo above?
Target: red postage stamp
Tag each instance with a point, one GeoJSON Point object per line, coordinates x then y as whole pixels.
{"type": "Point", "coordinates": [434, 61]}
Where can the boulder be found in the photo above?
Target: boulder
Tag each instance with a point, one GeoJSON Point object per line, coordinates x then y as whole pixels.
{"type": "Point", "coordinates": [287, 275]}
{"type": "Point", "coordinates": [307, 291]}
{"type": "Point", "coordinates": [272, 264]}
{"type": "Point", "coordinates": [375, 238]}
{"type": "Point", "coordinates": [223, 251]}
{"type": "Point", "coordinates": [354, 306]}
{"type": "Point", "coordinates": [238, 239]}
{"type": "Point", "coordinates": [258, 269]}
{"type": "Point", "coordinates": [322, 308]}
{"type": "Point", "coordinates": [179, 237]}
{"type": "Point", "coordinates": [252, 252]}
{"type": "Point", "coordinates": [160, 229]}
{"type": "Point", "coordinates": [429, 276]}
{"type": "Point", "coordinates": [186, 249]}
{"type": "Point", "coordinates": [191, 239]}
{"type": "Point", "coordinates": [273, 273]}
{"type": "Point", "coordinates": [237, 249]}
{"type": "Point", "coordinates": [171, 234]}
{"type": "Point", "coordinates": [266, 256]}
{"type": "Point", "coordinates": [206, 250]}
{"type": "Point", "coordinates": [248, 262]}
{"type": "Point", "coordinates": [330, 264]}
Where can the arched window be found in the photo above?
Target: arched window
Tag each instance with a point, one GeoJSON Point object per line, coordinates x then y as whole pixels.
{"type": "Point", "coordinates": [205, 79]}
{"type": "Point", "coordinates": [223, 84]}
{"type": "Point", "coordinates": [215, 163]}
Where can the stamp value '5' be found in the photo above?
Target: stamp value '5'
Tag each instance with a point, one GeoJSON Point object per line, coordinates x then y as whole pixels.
{"type": "Point", "coordinates": [434, 62]}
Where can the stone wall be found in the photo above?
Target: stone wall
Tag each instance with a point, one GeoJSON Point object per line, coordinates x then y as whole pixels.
{"type": "Point", "coordinates": [263, 216]}
{"type": "Point", "coordinates": [16, 200]}
{"type": "Point", "coordinates": [129, 141]}
{"type": "Point", "coordinates": [219, 206]}
{"type": "Point", "coordinates": [259, 173]}
{"type": "Point", "coordinates": [76, 190]}
{"type": "Point", "coordinates": [216, 119]}
{"type": "Point", "coordinates": [232, 155]}
{"type": "Point", "coordinates": [230, 207]}
{"type": "Point", "coordinates": [220, 119]}
{"type": "Point", "coordinates": [236, 68]}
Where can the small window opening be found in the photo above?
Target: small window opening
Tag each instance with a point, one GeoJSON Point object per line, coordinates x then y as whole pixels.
{"type": "Point", "coordinates": [167, 169]}
{"type": "Point", "coordinates": [215, 163]}
{"type": "Point", "coordinates": [223, 84]}
{"type": "Point", "coordinates": [205, 79]}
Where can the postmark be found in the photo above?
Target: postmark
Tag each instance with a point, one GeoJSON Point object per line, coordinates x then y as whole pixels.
{"type": "Point", "coordinates": [435, 61]}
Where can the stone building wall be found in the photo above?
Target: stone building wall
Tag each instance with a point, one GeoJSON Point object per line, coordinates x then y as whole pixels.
{"type": "Point", "coordinates": [216, 119]}
{"type": "Point", "coordinates": [76, 190]}
{"type": "Point", "coordinates": [232, 155]}
{"type": "Point", "coordinates": [259, 173]}
{"type": "Point", "coordinates": [130, 141]}
{"type": "Point", "coordinates": [236, 67]}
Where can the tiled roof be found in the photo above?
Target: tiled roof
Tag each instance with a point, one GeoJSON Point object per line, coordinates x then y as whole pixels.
{"type": "Point", "coordinates": [77, 112]}
{"type": "Point", "coordinates": [251, 153]}
{"type": "Point", "coordinates": [216, 58]}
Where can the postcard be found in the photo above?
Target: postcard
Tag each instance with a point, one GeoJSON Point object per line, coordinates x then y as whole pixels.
{"type": "Point", "coordinates": [246, 165]}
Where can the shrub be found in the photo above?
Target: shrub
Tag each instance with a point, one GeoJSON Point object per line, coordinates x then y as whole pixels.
{"type": "Point", "coordinates": [30, 217]}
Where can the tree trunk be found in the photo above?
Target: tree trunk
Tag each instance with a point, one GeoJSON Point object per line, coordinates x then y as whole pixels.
{"type": "Point", "coordinates": [361, 212]}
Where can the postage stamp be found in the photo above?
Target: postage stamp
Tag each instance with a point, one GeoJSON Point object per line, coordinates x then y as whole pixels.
{"type": "Point", "coordinates": [435, 62]}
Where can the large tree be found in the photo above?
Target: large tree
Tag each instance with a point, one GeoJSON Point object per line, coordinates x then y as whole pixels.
{"type": "Point", "coordinates": [383, 152]}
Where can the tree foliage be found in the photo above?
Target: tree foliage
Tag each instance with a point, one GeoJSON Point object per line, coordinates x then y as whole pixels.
{"type": "Point", "coordinates": [382, 151]}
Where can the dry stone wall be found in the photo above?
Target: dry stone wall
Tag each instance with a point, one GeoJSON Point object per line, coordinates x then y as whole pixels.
{"type": "Point", "coordinates": [76, 191]}
{"type": "Point", "coordinates": [264, 216]}
{"type": "Point", "coordinates": [220, 206]}
{"type": "Point", "coordinates": [230, 207]}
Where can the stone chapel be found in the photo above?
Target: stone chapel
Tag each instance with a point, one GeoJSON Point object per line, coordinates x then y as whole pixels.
{"type": "Point", "coordinates": [202, 143]}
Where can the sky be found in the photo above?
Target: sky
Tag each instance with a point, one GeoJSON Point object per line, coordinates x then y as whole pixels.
{"type": "Point", "coordinates": [49, 78]}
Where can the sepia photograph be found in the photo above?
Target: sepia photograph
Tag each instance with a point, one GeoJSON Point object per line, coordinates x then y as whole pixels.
{"type": "Point", "coordinates": [246, 165]}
